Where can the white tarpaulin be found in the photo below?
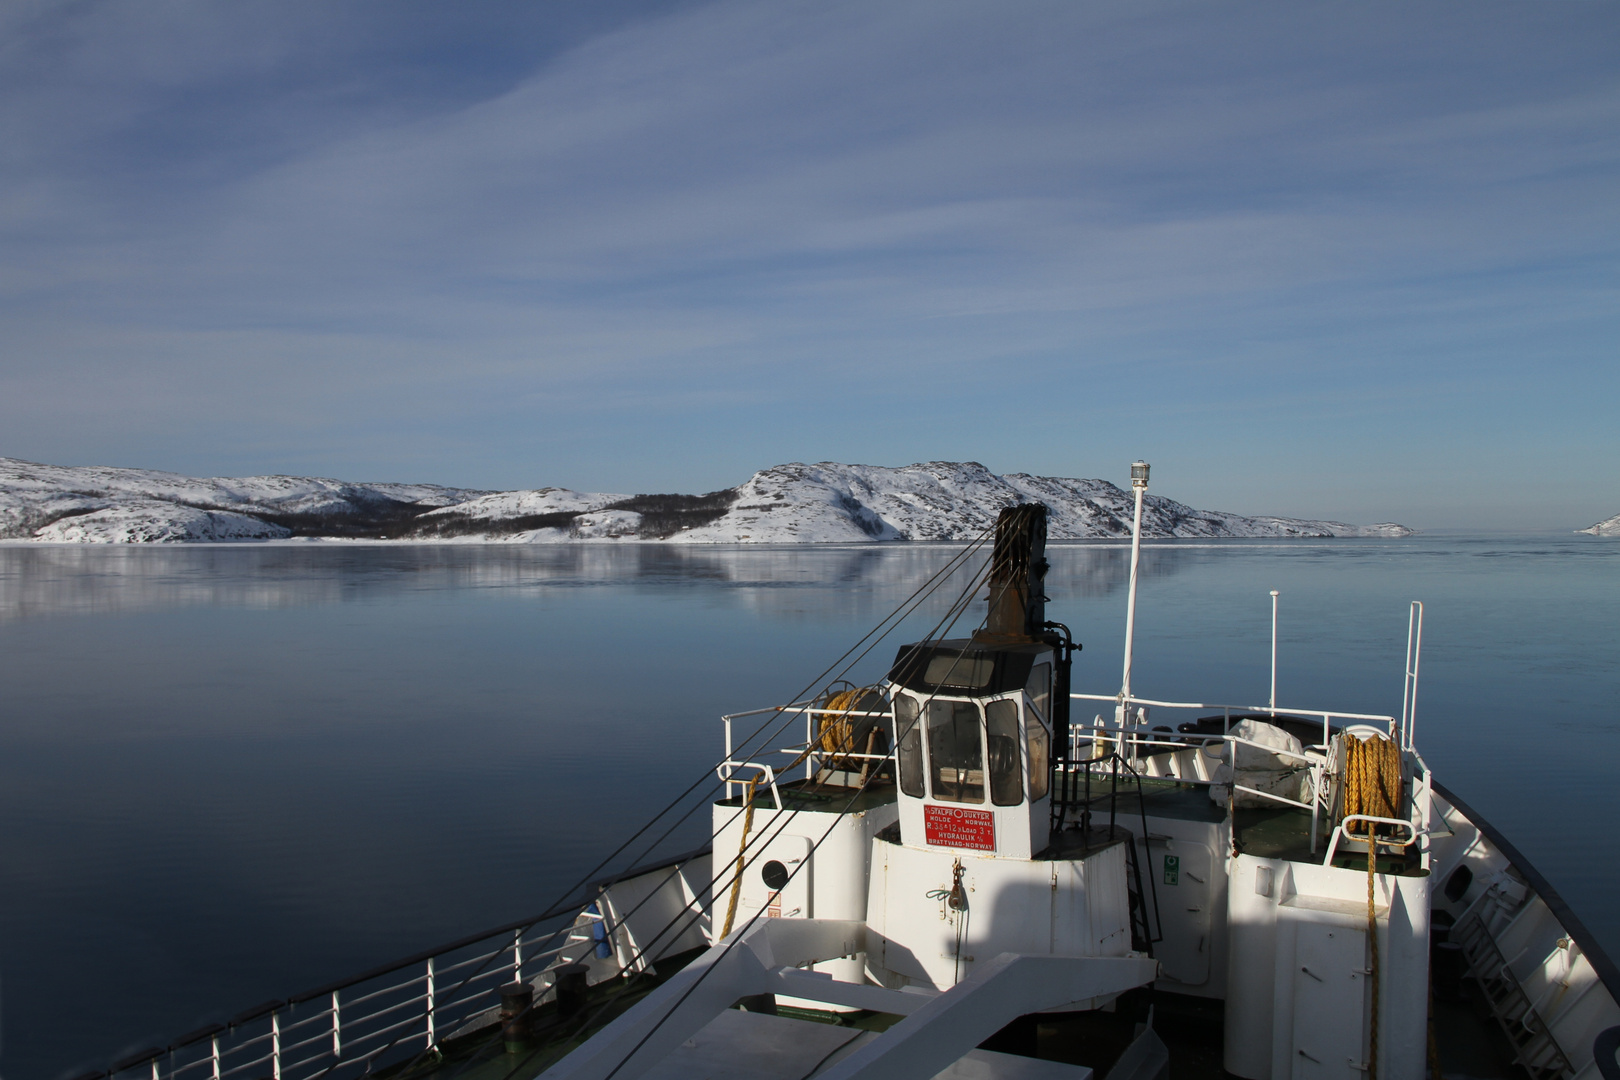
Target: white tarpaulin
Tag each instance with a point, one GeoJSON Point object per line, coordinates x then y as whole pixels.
{"type": "Point", "coordinates": [1285, 774]}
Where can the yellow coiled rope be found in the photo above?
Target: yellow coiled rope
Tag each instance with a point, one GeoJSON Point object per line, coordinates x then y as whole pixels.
{"type": "Point", "coordinates": [836, 735]}
{"type": "Point", "coordinates": [1372, 786]}
{"type": "Point", "coordinates": [837, 725]}
{"type": "Point", "coordinates": [1372, 777]}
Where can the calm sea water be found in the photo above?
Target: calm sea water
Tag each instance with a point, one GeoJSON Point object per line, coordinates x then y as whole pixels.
{"type": "Point", "coordinates": [230, 773]}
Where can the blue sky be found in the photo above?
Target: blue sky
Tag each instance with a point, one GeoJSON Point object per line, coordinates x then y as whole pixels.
{"type": "Point", "coordinates": [1346, 260]}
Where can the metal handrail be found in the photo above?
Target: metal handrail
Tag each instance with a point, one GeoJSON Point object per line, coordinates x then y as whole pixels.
{"type": "Point", "coordinates": [725, 769]}
{"type": "Point", "coordinates": [850, 754]}
{"type": "Point", "coordinates": [395, 1007]}
{"type": "Point", "coordinates": [287, 1048]}
{"type": "Point", "coordinates": [383, 1030]}
{"type": "Point", "coordinates": [1409, 685]}
{"type": "Point", "coordinates": [233, 1049]}
{"type": "Point", "coordinates": [504, 974]}
{"type": "Point", "coordinates": [1339, 833]}
{"type": "Point", "coordinates": [310, 1019]}
{"type": "Point", "coordinates": [246, 1065]}
{"type": "Point", "coordinates": [794, 707]}
{"type": "Point", "coordinates": [1328, 716]}
{"type": "Point", "coordinates": [386, 990]}
{"type": "Point", "coordinates": [480, 958]}
{"type": "Point", "coordinates": [1271, 749]}
{"type": "Point", "coordinates": [1206, 706]}
{"type": "Point", "coordinates": [805, 751]}
{"type": "Point", "coordinates": [1310, 760]}
{"type": "Point", "coordinates": [1274, 798]}
{"type": "Point", "coordinates": [341, 1037]}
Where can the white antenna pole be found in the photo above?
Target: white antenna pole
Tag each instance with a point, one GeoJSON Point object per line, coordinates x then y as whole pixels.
{"type": "Point", "coordinates": [1273, 652]}
{"type": "Point", "coordinates": [1139, 481]}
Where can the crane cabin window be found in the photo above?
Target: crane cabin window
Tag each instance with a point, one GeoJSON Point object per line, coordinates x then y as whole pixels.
{"type": "Point", "coordinates": [955, 752]}
{"type": "Point", "coordinates": [1040, 769]}
{"type": "Point", "coordinates": [960, 670]}
{"type": "Point", "coordinates": [1039, 689]}
{"type": "Point", "coordinates": [909, 755]}
{"type": "Point", "coordinates": [1006, 764]}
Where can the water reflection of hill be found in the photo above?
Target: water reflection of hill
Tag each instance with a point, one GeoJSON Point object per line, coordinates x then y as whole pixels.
{"type": "Point", "coordinates": [787, 582]}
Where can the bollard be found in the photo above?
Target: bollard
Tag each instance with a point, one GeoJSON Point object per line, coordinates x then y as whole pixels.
{"type": "Point", "coordinates": [571, 989]}
{"type": "Point", "coordinates": [517, 1010]}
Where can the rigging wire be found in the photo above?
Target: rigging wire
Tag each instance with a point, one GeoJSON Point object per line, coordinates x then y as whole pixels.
{"type": "Point", "coordinates": [732, 943]}
{"type": "Point", "coordinates": [902, 611]}
{"type": "Point", "coordinates": [952, 616]}
{"type": "Point", "coordinates": [785, 819]}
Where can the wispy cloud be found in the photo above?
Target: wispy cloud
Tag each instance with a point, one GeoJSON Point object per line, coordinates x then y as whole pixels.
{"type": "Point", "coordinates": [355, 220]}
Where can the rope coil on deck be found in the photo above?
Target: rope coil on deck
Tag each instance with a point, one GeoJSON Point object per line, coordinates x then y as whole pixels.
{"type": "Point", "coordinates": [1372, 786]}
{"type": "Point", "coordinates": [1372, 778]}
{"type": "Point", "coordinates": [838, 728]}
{"type": "Point", "coordinates": [852, 718]}
{"type": "Point", "coordinates": [837, 734]}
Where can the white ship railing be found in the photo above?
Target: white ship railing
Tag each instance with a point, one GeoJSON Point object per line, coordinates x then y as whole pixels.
{"type": "Point", "coordinates": [386, 1016]}
{"type": "Point", "coordinates": [737, 774]}
{"type": "Point", "coordinates": [1327, 715]}
{"type": "Point", "coordinates": [1136, 740]}
{"type": "Point", "coordinates": [1090, 742]}
{"type": "Point", "coordinates": [1341, 831]}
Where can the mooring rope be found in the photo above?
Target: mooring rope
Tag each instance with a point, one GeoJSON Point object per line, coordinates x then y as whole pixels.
{"type": "Point", "coordinates": [837, 726]}
{"type": "Point", "coordinates": [1372, 966]}
{"type": "Point", "coordinates": [742, 852]}
{"type": "Point", "coordinates": [1372, 786]}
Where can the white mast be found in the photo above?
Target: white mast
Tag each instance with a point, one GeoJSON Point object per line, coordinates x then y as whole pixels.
{"type": "Point", "coordinates": [1139, 482]}
{"type": "Point", "coordinates": [1273, 652]}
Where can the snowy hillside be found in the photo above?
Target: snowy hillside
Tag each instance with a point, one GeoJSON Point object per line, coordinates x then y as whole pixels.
{"type": "Point", "coordinates": [822, 503]}
{"type": "Point", "coordinates": [1606, 527]}
{"type": "Point", "coordinates": [104, 505]}
{"type": "Point", "coordinates": [952, 501]}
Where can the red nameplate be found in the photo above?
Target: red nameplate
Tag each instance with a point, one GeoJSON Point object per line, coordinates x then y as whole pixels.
{"type": "Point", "coordinates": [952, 826]}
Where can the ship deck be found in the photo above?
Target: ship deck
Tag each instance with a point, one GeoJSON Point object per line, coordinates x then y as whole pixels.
{"type": "Point", "coordinates": [1159, 797]}
{"type": "Point", "coordinates": [818, 797]}
{"type": "Point", "coordinates": [1285, 833]}
{"type": "Point", "coordinates": [1467, 1043]}
{"type": "Point", "coordinates": [1280, 832]}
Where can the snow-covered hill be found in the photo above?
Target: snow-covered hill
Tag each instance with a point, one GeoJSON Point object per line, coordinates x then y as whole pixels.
{"type": "Point", "coordinates": [822, 503]}
{"type": "Point", "coordinates": [1606, 527]}
{"type": "Point", "coordinates": [943, 500]}
{"type": "Point", "coordinates": [105, 505]}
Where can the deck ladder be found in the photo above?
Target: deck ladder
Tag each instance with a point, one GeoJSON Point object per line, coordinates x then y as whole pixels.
{"type": "Point", "coordinates": [1533, 1045]}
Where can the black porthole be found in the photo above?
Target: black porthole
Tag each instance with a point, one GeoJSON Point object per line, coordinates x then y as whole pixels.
{"type": "Point", "coordinates": [775, 875]}
{"type": "Point", "coordinates": [1457, 884]}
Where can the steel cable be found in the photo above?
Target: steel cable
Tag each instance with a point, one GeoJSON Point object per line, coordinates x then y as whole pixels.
{"type": "Point", "coordinates": [781, 822]}
{"type": "Point", "coordinates": [901, 612]}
